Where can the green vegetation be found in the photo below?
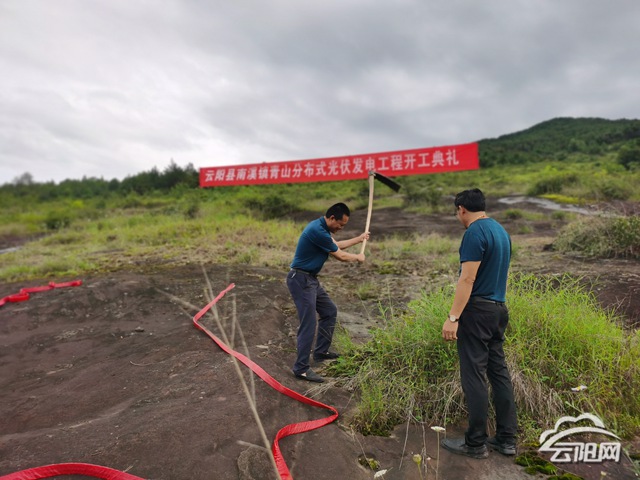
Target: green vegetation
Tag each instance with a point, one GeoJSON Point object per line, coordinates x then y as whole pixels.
{"type": "Point", "coordinates": [602, 237]}
{"type": "Point", "coordinates": [182, 224]}
{"type": "Point", "coordinates": [558, 339]}
{"type": "Point", "coordinates": [563, 139]}
{"type": "Point", "coordinates": [534, 464]}
{"type": "Point", "coordinates": [73, 239]}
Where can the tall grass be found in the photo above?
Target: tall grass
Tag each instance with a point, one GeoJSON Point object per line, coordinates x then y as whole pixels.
{"type": "Point", "coordinates": [558, 338]}
{"type": "Point", "coordinates": [164, 234]}
{"type": "Point", "coordinates": [602, 237]}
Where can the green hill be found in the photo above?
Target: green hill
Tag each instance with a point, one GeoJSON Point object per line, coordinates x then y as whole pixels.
{"type": "Point", "coordinates": [560, 139]}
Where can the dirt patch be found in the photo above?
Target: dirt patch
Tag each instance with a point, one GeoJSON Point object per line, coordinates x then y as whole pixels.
{"type": "Point", "coordinates": [114, 373]}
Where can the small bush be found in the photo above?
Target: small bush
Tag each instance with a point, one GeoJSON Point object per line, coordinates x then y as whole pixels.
{"type": "Point", "coordinates": [629, 157]}
{"type": "Point", "coordinates": [553, 183]}
{"type": "Point", "coordinates": [430, 196]}
{"type": "Point", "coordinates": [192, 210]}
{"type": "Point", "coordinates": [513, 214]}
{"type": "Point", "coordinates": [559, 215]}
{"type": "Point", "coordinates": [602, 237]}
{"type": "Point", "coordinates": [613, 189]}
{"type": "Point", "coordinates": [57, 220]}
{"type": "Point", "coordinates": [271, 206]}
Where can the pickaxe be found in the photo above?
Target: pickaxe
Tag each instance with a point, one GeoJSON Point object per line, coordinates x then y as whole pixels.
{"type": "Point", "coordinates": [389, 183]}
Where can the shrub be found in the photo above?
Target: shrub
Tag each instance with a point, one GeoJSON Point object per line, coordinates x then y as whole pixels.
{"type": "Point", "coordinates": [192, 210]}
{"type": "Point", "coordinates": [613, 189]}
{"type": "Point", "coordinates": [602, 237]}
{"type": "Point", "coordinates": [271, 206]}
{"type": "Point", "coordinates": [513, 214]}
{"type": "Point", "coordinates": [430, 196]}
{"type": "Point", "coordinates": [553, 183]}
{"type": "Point", "coordinates": [57, 220]}
{"type": "Point", "coordinates": [629, 157]}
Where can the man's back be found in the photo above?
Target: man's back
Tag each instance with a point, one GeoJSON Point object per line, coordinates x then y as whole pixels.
{"type": "Point", "coordinates": [488, 242]}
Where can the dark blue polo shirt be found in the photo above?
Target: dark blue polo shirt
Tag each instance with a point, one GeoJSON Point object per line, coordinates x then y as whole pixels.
{"type": "Point", "coordinates": [314, 246]}
{"type": "Point", "coordinates": [487, 242]}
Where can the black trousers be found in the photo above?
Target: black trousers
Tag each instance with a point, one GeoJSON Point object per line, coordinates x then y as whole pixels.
{"type": "Point", "coordinates": [480, 348]}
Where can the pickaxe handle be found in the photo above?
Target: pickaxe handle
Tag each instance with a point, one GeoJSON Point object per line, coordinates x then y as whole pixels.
{"type": "Point", "coordinates": [366, 228]}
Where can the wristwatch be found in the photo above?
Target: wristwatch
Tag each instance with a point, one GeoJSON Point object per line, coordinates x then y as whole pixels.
{"type": "Point", "coordinates": [453, 318]}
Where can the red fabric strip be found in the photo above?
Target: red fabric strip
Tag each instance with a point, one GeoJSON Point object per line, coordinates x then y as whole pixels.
{"type": "Point", "coordinates": [23, 294]}
{"type": "Point", "coordinates": [86, 469]}
{"type": "Point", "coordinates": [287, 430]}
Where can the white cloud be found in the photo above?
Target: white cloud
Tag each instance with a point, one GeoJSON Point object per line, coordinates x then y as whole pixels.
{"type": "Point", "coordinates": [113, 88]}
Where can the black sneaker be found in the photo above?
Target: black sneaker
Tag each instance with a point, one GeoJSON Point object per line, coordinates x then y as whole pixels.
{"type": "Point", "coordinates": [310, 375]}
{"type": "Point", "coordinates": [320, 357]}
{"type": "Point", "coordinates": [459, 447]}
{"type": "Point", "coordinates": [504, 448]}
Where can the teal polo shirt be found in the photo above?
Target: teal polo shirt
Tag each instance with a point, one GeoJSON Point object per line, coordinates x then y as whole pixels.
{"type": "Point", "coordinates": [314, 246]}
{"type": "Point", "coordinates": [487, 242]}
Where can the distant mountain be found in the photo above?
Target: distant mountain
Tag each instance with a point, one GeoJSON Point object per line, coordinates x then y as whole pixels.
{"type": "Point", "coordinates": [560, 138]}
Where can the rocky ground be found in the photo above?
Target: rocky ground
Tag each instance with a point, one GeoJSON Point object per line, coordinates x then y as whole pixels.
{"type": "Point", "coordinates": [114, 372]}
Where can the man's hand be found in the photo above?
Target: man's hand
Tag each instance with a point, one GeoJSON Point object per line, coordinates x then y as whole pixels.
{"type": "Point", "coordinates": [364, 236]}
{"type": "Point", "coordinates": [360, 257]}
{"type": "Point", "coordinates": [450, 330]}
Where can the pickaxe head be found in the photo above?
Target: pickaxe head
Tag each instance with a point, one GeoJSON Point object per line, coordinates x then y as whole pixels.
{"type": "Point", "coordinates": [386, 180]}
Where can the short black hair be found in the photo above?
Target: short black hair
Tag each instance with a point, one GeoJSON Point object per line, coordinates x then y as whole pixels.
{"type": "Point", "coordinates": [338, 211]}
{"type": "Point", "coordinates": [473, 200]}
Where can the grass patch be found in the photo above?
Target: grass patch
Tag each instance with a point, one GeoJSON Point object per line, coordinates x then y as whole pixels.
{"type": "Point", "coordinates": [564, 199]}
{"type": "Point", "coordinates": [558, 338]}
{"type": "Point", "coordinates": [212, 232]}
{"type": "Point", "coordinates": [601, 237]}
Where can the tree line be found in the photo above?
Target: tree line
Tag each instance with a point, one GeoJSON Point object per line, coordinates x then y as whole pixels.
{"type": "Point", "coordinates": [554, 140]}
{"type": "Point", "coordinates": [172, 177]}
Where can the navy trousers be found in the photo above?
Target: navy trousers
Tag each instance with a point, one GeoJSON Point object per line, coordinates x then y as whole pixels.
{"type": "Point", "coordinates": [316, 311]}
{"type": "Point", "coordinates": [480, 341]}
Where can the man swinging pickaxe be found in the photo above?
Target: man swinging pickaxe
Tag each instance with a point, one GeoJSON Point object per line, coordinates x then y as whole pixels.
{"type": "Point", "coordinates": [389, 183]}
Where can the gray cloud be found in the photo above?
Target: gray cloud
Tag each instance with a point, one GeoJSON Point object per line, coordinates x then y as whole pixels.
{"type": "Point", "coordinates": [112, 88]}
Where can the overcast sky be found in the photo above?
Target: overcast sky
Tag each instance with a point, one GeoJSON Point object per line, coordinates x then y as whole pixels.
{"type": "Point", "coordinates": [111, 88]}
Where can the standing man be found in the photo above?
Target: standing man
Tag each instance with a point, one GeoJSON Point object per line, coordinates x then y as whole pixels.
{"type": "Point", "coordinates": [314, 247]}
{"type": "Point", "coordinates": [477, 320]}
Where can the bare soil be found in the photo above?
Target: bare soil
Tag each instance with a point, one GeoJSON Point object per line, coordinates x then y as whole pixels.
{"type": "Point", "coordinates": [114, 373]}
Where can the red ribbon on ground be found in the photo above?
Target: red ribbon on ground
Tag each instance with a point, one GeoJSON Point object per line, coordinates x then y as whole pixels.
{"type": "Point", "coordinates": [48, 471]}
{"type": "Point", "coordinates": [291, 429]}
{"type": "Point", "coordinates": [106, 473]}
{"type": "Point", "coordinates": [86, 469]}
{"type": "Point", "coordinates": [23, 294]}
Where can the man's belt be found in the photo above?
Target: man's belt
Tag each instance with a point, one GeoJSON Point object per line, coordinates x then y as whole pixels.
{"type": "Point", "coordinates": [477, 299]}
{"type": "Point", "coordinates": [305, 272]}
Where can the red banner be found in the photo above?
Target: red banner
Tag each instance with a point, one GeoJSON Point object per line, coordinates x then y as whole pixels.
{"type": "Point", "coordinates": [391, 164]}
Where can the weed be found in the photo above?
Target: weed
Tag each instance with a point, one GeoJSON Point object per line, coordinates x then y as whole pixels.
{"type": "Point", "coordinates": [367, 291]}
{"type": "Point", "coordinates": [513, 214]}
{"type": "Point", "coordinates": [553, 182]}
